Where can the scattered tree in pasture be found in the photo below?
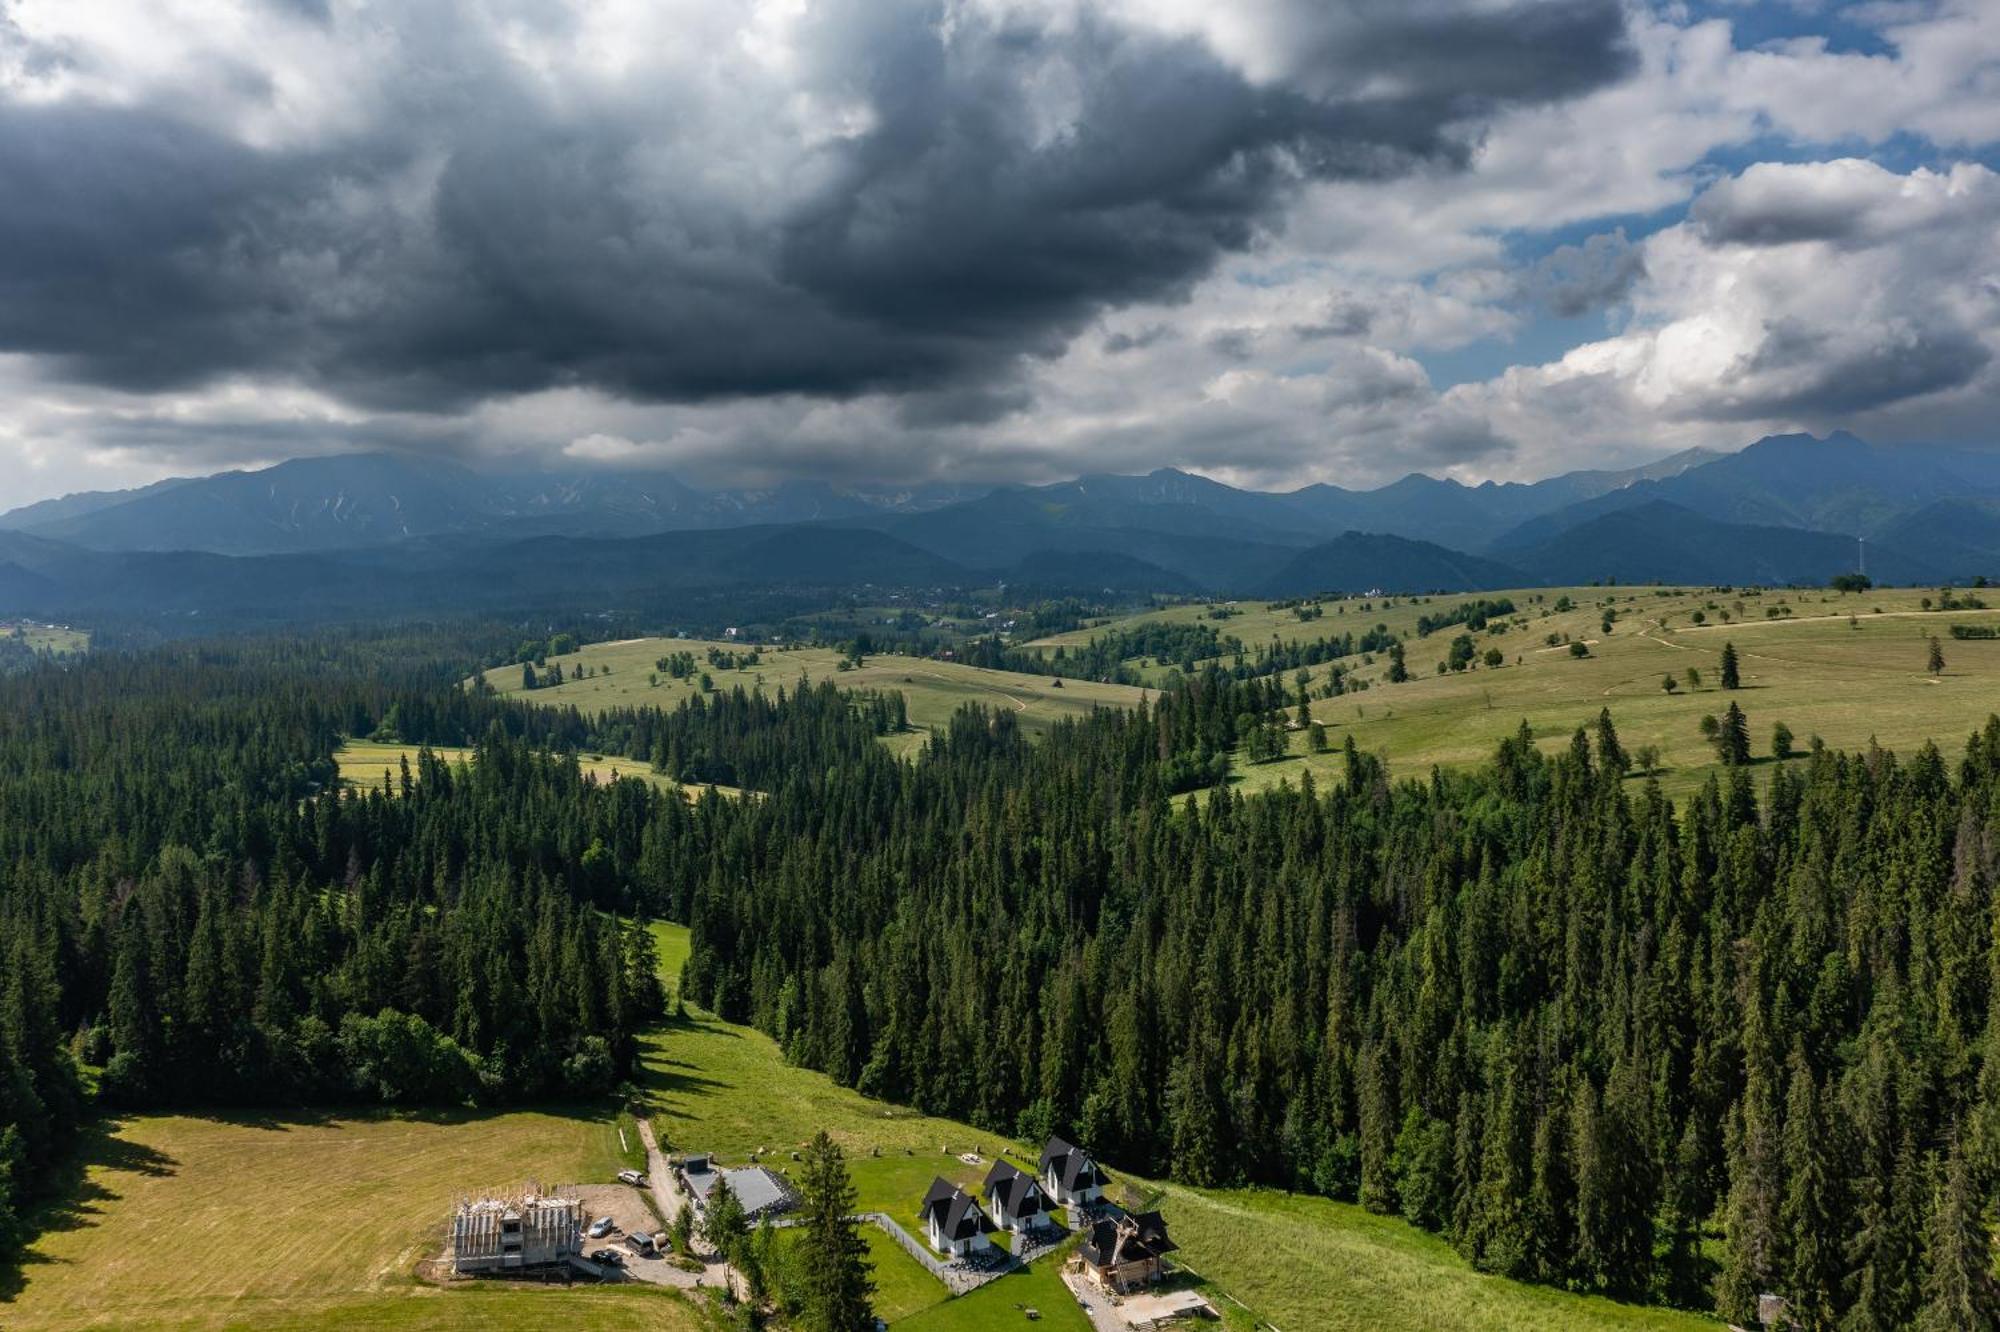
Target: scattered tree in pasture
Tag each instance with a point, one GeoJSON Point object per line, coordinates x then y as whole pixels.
{"type": "Point", "coordinates": [1781, 742]}
{"type": "Point", "coordinates": [1730, 678]}
{"type": "Point", "coordinates": [1668, 683]}
{"type": "Point", "coordinates": [1611, 755]}
{"type": "Point", "coordinates": [832, 1256]}
{"type": "Point", "coordinates": [1730, 735]}
{"type": "Point", "coordinates": [1935, 661]}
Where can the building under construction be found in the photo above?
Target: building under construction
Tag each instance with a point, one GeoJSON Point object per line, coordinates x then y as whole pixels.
{"type": "Point", "coordinates": [515, 1234]}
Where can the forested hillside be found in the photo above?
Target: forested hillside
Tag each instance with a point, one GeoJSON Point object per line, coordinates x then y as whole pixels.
{"type": "Point", "coordinates": [189, 899]}
{"type": "Point", "coordinates": [1674, 1053]}
{"type": "Point", "coordinates": [1538, 1009]}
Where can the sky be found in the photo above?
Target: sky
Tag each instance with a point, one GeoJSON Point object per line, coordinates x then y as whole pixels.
{"type": "Point", "coordinates": [1273, 241]}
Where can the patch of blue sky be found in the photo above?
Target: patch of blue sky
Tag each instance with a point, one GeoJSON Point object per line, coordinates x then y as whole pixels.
{"type": "Point", "coordinates": [1765, 21]}
{"type": "Point", "coordinates": [1534, 342]}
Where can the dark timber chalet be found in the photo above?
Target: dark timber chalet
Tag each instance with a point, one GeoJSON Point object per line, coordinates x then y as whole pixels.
{"type": "Point", "coordinates": [1126, 1251]}
{"type": "Point", "coordinates": [953, 1221]}
{"type": "Point", "coordinates": [1015, 1201]}
{"type": "Point", "coordinates": [1069, 1175]}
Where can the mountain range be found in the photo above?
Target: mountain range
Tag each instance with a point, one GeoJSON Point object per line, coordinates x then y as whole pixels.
{"type": "Point", "coordinates": [350, 533]}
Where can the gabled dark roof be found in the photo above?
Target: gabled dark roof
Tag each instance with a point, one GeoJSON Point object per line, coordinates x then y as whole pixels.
{"type": "Point", "coordinates": [1074, 1168]}
{"type": "Point", "coordinates": [1013, 1193]}
{"type": "Point", "coordinates": [959, 1216]}
{"type": "Point", "coordinates": [1145, 1238]}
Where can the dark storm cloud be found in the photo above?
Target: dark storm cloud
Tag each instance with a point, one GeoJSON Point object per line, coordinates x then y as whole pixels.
{"type": "Point", "coordinates": [477, 237]}
{"type": "Point", "coordinates": [1799, 369]}
{"type": "Point", "coordinates": [1728, 214]}
{"type": "Point", "coordinates": [1345, 318]}
{"type": "Point", "coordinates": [1574, 280]}
{"type": "Point", "coordinates": [1119, 343]}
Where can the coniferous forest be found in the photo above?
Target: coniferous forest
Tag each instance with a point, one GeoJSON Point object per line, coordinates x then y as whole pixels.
{"type": "Point", "coordinates": [1684, 1053]}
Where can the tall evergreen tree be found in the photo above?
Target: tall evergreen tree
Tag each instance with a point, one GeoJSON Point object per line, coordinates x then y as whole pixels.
{"type": "Point", "coordinates": [1810, 1215]}
{"type": "Point", "coordinates": [1959, 1292]}
{"type": "Point", "coordinates": [832, 1257]}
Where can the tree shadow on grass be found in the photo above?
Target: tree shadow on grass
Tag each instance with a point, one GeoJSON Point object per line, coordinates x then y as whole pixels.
{"type": "Point", "coordinates": [79, 1199]}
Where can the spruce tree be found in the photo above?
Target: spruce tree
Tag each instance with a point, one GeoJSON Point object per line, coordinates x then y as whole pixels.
{"type": "Point", "coordinates": [1958, 1286]}
{"type": "Point", "coordinates": [1755, 1257]}
{"type": "Point", "coordinates": [1810, 1214]}
{"type": "Point", "coordinates": [1730, 678]}
{"type": "Point", "coordinates": [1732, 737]}
{"type": "Point", "coordinates": [723, 1223]}
{"type": "Point", "coordinates": [832, 1257]}
{"type": "Point", "coordinates": [1611, 756]}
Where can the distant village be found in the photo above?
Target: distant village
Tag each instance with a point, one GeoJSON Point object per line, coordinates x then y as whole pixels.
{"type": "Point", "coordinates": [1115, 1262]}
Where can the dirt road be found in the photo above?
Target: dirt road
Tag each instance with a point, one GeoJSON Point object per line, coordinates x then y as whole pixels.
{"type": "Point", "coordinates": [667, 1195]}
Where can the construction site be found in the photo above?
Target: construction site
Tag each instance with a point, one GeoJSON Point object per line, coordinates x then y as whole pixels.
{"type": "Point", "coordinates": [590, 1230]}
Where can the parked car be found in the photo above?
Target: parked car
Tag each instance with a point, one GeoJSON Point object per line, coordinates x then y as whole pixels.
{"type": "Point", "coordinates": [635, 1178]}
{"type": "Point", "coordinates": [639, 1243]}
{"type": "Point", "coordinates": [607, 1258]}
{"type": "Point", "coordinates": [602, 1227]}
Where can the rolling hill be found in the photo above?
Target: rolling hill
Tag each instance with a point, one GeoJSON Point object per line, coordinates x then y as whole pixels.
{"type": "Point", "coordinates": [1357, 562]}
{"type": "Point", "coordinates": [348, 501]}
{"type": "Point", "coordinates": [1663, 542]}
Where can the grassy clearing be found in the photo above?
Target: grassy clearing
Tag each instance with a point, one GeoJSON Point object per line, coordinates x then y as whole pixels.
{"type": "Point", "coordinates": [476, 1309]}
{"type": "Point", "coordinates": [897, 1181]}
{"type": "Point", "coordinates": [1311, 1263]}
{"type": "Point", "coordinates": [305, 1221]}
{"type": "Point", "coordinates": [58, 639]}
{"type": "Point", "coordinates": [1849, 669]}
{"type": "Point", "coordinates": [932, 690]}
{"type": "Point", "coordinates": [374, 765]}
{"type": "Point", "coordinates": [1004, 1304]}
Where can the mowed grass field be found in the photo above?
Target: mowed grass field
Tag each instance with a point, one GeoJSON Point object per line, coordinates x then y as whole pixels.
{"type": "Point", "coordinates": [306, 1222]}
{"type": "Point", "coordinates": [1847, 668]}
{"type": "Point", "coordinates": [932, 690]}
{"type": "Point", "coordinates": [376, 765]}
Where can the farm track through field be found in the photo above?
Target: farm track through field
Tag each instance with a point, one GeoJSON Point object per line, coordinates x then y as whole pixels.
{"type": "Point", "coordinates": [1019, 704]}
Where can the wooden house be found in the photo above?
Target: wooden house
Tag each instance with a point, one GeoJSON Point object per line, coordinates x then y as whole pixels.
{"type": "Point", "coordinates": [953, 1220]}
{"type": "Point", "coordinates": [1126, 1251]}
{"type": "Point", "coordinates": [1070, 1176]}
{"type": "Point", "coordinates": [1014, 1200]}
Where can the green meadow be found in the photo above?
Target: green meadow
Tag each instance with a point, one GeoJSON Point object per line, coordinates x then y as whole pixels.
{"type": "Point", "coordinates": [1847, 668]}
{"type": "Point", "coordinates": [624, 674]}
{"type": "Point", "coordinates": [375, 765]}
